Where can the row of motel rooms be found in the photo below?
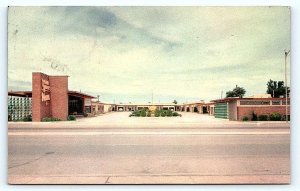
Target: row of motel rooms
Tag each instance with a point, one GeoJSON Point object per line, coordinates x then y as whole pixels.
{"type": "Point", "coordinates": [50, 97]}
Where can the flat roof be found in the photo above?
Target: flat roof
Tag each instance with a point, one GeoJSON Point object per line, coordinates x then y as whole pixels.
{"type": "Point", "coordinates": [20, 93]}
{"type": "Point", "coordinates": [162, 104]}
{"type": "Point", "coordinates": [51, 75]}
{"type": "Point", "coordinates": [29, 94]}
{"type": "Point", "coordinates": [145, 104]}
{"type": "Point", "coordinates": [155, 104]}
{"type": "Point", "coordinates": [79, 94]}
{"type": "Point", "coordinates": [195, 103]}
{"type": "Point", "coordinates": [229, 99]}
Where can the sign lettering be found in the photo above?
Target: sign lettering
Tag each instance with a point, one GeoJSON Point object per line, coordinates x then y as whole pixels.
{"type": "Point", "coordinates": [45, 90]}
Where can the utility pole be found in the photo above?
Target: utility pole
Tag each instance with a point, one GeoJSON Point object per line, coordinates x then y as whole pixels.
{"type": "Point", "coordinates": [286, 53]}
{"type": "Point", "coordinates": [98, 97]}
{"type": "Point", "coordinates": [222, 94]}
{"type": "Point", "coordinates": [152, 97]}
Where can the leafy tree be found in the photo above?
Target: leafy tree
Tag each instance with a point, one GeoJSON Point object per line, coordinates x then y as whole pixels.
{"type": "Point", "coordinates": [236, 92]}
{"type": "Point", "coordinates": [276, 88]}
{"type": "Point", "coordinates": [230, 94]}
{"type": "Point", "coordinates": [175, 102]}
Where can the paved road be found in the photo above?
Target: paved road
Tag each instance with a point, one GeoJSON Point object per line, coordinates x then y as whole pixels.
{"type": "Point", "coordinates": [208, 155]}
{"type": "Point", "coordinates": [148, 158]}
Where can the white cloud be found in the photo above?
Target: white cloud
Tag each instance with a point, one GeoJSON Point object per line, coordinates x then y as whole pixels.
{"type": "Point", "coordinates": [193, 52]}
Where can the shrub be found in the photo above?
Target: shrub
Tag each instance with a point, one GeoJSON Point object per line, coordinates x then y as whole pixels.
{"type": "Point", "coordinates": [169, 113]}
{"type": "Point", "coordinates": [148, 114]}
{"type": "Point", "coordinates": [143, 113]}
{"type": "Point", "coordinates": [254, 117]}
{"type": "Point", "coordinates": [175, 114]}
{"type": "Point", "coordinates": [27, 118]}
{"type": "Point", "coordinates": [48, 119]}
{"type": "Point", "coordinates": [245, 118]}
{"type": "Point", "coordinates": [85, 115]}
{"type": "Point", "coordinates": [135, 113]}
{"type": "Point", "coordinates": [71, 118]}
{"type": "Point", "coordinates": [275, 117]}
{"type": "Point", "coordinates": [283, 117]}
{"type": "Point", "coordinates": [157, 113]}
{"type": "Point", "coordinates": [263, 118]}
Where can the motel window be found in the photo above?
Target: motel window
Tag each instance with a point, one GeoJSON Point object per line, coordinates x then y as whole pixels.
{"type": "Point", "coordinates": [87, 109]}
{"type": "Point", "coordinates": [251, 102]}
{"type": "Point", "coordinates": [276, 102]}
{"type": "Point", "coordinates": [284, 102]}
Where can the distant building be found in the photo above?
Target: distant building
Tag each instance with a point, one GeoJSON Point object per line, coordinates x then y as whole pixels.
{"type": "Point", "coordinates": [49, 97]}
{"type": "Point", "coordinates": [238, 108]}
{"type": "Point", "coordinates": [197, 107]}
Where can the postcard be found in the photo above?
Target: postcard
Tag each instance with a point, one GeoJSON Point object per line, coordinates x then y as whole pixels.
{"type": "Point", "coordinates": [149, 95]}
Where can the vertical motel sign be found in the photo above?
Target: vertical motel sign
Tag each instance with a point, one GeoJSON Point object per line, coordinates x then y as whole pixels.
{"type": "Point", "coordinates": [45, 91]}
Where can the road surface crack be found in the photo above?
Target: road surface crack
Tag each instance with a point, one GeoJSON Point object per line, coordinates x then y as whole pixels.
{"type": "Point", "coordinates": [106, 182]}
{"type": "Point", "coordinates": [28, 162]}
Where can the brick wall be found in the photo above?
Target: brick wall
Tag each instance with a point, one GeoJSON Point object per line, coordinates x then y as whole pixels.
{"type": "Point", "coordinates": [261, 110]}
{"type": "Point", "coordinates": [59, 96]}
{"type": "Point", "coordinates": [57, 106]}
{"type": "Point", "coordinates": [40, 109]}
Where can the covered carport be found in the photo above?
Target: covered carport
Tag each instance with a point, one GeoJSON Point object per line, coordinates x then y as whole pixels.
{"type": "Point", "coordinates": [79, 103]}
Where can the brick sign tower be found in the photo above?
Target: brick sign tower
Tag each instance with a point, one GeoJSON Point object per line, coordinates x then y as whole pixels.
{"type": "Point", "coordinates": [49, 96]}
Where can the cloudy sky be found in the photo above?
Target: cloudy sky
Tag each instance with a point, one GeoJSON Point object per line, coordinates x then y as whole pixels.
{"type": "Point", "coordinates": [124, 54]}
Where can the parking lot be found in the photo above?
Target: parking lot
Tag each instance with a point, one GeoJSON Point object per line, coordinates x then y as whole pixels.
{"type": "Point", "coordinates": [187, 117]}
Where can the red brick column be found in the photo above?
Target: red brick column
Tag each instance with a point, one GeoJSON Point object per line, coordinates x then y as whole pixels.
{"type": "Point", "coordinates": [40, 109]}
{"type": "Point", "coordinates": [59, 96]}
{"type": "Point", "coordinates": [57, 106]}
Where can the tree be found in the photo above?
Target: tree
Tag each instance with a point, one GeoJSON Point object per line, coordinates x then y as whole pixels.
{"type": "Point", "coordinates": [236, 92]}
{"type": "Point", "coordinates": [276, 88]}
{"type": "Point", "coordinates": [175, 102]}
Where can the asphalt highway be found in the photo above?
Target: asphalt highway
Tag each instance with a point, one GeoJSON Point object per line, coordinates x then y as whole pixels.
{"type": "Point", "coordinates": [160, 155]}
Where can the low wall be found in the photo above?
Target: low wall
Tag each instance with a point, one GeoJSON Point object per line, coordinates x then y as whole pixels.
{"type": "Point", "coordinates": [265, 110]}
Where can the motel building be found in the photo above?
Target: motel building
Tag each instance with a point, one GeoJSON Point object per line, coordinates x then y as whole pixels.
{"type": "Point", "coordinates": [237, 108]}
{"type": "Point", "coordinates": [198, 107]}
{"type": "Point", "coordinates": [51, 98]}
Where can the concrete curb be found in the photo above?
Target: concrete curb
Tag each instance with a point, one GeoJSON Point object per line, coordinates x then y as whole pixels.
{"type": "Point", "coordinates": [152, 179]}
